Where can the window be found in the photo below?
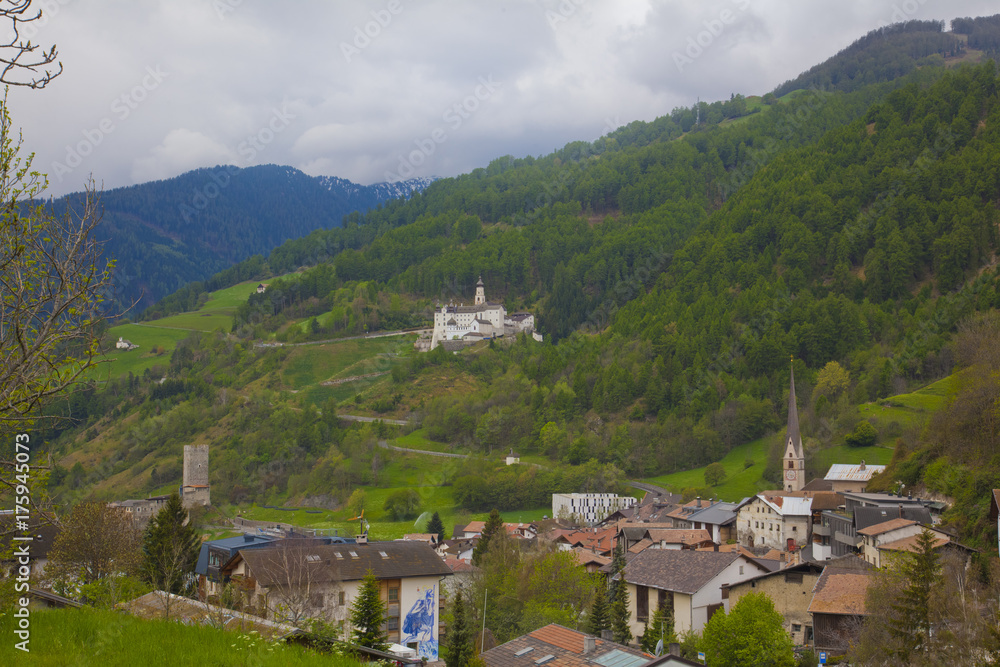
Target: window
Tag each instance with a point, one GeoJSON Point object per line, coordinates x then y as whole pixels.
{"type": "Point", "coordinates": [809, 633]}
{"type": "Point", "coordinates": [393, 595]}
{"type": "Point", "coordinates": [393, 623]}
{"type": "Point", "coordinates": [796, 627]}
{"type": "Point", "coordinates": [741, 569]}
{"type": "Point", "coordinates": [340, 598]}
{"type": "Point", "coordinates": [641, 603]}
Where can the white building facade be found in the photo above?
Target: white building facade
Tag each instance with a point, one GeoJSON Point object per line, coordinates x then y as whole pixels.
{"type": "Point", "coordinates": [589, 508]}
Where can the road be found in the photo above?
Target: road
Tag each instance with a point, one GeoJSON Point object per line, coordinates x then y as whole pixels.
{"type": "Point", "coordinates": [383, 334]}
{"type": "Point", "coordinates": [445, 455]}
{"type": "Point", "coordinates": [372, 420]}
{"type": "Point", "coordinates": [649, 488]}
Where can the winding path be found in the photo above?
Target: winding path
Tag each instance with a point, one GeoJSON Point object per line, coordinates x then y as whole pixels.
{"type": "Point", "coordinates": [446, 455]}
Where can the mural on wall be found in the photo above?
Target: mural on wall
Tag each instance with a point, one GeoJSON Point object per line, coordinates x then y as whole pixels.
{"type": "Point", "coordinates": [420, 623]}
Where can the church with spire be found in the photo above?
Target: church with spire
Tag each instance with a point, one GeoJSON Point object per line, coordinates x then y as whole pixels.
{"type": "Point", "coordinates": [794, 462]}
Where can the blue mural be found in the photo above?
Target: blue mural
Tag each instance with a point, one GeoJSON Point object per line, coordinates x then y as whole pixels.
{"type": "Point", "coordinates": [420, 623]}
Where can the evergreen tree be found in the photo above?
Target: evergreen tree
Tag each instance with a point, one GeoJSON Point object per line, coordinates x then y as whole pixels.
{"type": "Point", "coordinates": [458, 649]}
{"type": "Point", "coordinates": [620, 629]}
{"type": "Point", "coordinates": [170, 548]}
{"type": "Point", "coordinates": [494, 524]}
{"type": "Point", "coordinates": [368, 615]}
{"type": "Point", "coordinates": [921, 570]}
{"type": "Point", "coordinates": [599, 614]}
{"type": "Point", "coordinates": [436, 526]}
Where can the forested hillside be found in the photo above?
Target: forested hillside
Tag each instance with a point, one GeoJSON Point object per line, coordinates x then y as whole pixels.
{"type": "Point", "coordinates": [166, 234]}
{"type": "Point", "coordinates": [675, 269]}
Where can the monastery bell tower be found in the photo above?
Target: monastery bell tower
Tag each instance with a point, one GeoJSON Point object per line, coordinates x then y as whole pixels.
{"type": "Point", "coordinates": [480, 293]}
{"type": "Point", "coordinates": [794, 462]}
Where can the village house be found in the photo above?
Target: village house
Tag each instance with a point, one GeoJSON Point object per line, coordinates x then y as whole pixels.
{"type": "Point", "coordinates": [776, 522]}
{"type": "Point", "coordinates": [846, 478]}
{"type": "Point", "coordinates": [715, 516]}
{"type": "Point", "coordinates": [838, 604]}
{"type": "Point", "coordinates": [596, 540]}
{"type": "Point", "coordinates": [837, 533]}
{"type": "Point", "coordinates": [125, 344]}
{"type": "Point", "coordinates": [790, 590]}
{"type": "Point", "coordinates": [518, 531]}
{"type": "Point", "coordinates": [286, 582]}
{"type": "Point", "coordinates": [640, 538]}
{"type": "Point", "coordinates": [692, 581]}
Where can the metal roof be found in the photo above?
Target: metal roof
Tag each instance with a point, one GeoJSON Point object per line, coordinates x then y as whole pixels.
{"type": "Point", "coordinates": [845, 472]}
{"type": "Point", "coordinates": [619, 658]}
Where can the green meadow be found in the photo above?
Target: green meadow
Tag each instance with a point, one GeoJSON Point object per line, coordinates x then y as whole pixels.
{"type": "Point", "coordinates": [61, 637]}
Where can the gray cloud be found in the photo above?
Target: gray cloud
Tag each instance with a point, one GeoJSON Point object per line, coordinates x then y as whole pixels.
{"type": "Point", "coordinates": [358, 89]}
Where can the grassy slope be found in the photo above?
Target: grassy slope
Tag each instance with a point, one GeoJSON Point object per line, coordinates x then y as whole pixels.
{"type": "Point", "coordinates": [108, 638]}
{"type": "Point", "coordinates": [907, 410]}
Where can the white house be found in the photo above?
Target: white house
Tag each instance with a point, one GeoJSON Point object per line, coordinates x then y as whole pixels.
{"type": "Point", "coordinates": [125, 344]}
{"type": "Point", "coordinates": [290, 581]}
{"type": "Point", "coordinates": [693, 580]}
{"type": "Point", "coordinates": [774, 521]}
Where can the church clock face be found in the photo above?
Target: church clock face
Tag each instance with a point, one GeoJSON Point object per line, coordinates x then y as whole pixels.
{"type": "Point", "coordinates": [790, 475]}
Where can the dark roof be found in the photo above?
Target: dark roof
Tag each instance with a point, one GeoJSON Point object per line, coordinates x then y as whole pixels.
{"type": "Point", "coordinates": [674, 570]}
{"type": "Point", "coordinates": [717, 514]}
{"type": "Point", "coordinates": [555, 645]}
{"type": "Point", "coordinates": [870, 516]}
{"type": "Point", "coordinates": [343, 562]}
{"type": "Point", "coordinates": [230, 545]}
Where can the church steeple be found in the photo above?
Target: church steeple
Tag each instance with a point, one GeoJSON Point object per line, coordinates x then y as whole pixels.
{"type": "Point", "coordinates": [794, 461]}
{"type": "Point", "coordinates": [480, 292]}
{"type": "Point", "coordinates": [793, 438]}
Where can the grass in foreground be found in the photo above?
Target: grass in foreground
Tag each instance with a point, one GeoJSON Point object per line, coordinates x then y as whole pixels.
{"type": "Point", "coordinates": [62, 637]}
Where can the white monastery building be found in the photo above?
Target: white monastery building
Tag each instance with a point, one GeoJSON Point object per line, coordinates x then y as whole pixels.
{"type": "Point", "coordinates": [481, 320]}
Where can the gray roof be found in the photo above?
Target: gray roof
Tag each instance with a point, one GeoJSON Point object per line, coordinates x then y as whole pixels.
{"type": "Point", "coordinates": [718, 514]}
{"type": "Point", "coordinates": [342, 562]}
{"type": "Point", "coordinates": [679, 571]}
{"type": "Point", "coordinates": [865, 517]}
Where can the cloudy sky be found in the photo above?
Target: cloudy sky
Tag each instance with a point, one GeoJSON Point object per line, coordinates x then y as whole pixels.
{"type": "Point", "coordinates": [372, 91]}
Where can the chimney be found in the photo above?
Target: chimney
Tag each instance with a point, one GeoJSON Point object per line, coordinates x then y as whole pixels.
{"type": "Point", "coordinates": [589, 644]}
{"type": "Point", "coordinates": [675, 649]}
{"type": "Point", "coordinates": [699, 501]}
{"type": "Point", "coordinates": [862, 466]}
{"type": "Point", "coordinates": [606, 635]}
{"type": "Point", "coordinates": [900, 511]}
